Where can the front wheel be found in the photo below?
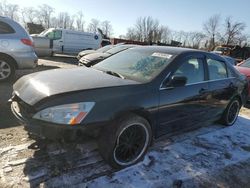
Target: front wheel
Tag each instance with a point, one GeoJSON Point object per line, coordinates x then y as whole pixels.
{"type": "Point", "coordinates": [7, 69]}
{"type": "Point", "coordinates": [127, 144]}
{"type": "Point", "coordinates": [231, 113]}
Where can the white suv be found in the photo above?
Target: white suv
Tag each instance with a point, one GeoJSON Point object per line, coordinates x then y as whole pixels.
{"type": "Point", "coordinates": [16, 49]}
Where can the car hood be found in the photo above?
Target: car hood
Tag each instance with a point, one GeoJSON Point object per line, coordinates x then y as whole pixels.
{"type": "Point", "coordinates": [37, 86]}
{"type": "Point", "coordinates": [95, 56]}
{"type": "Point", "coordinates": [243, 70]}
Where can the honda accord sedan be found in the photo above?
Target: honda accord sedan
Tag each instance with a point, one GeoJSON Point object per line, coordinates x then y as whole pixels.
{"type": "Point", "coordinates": [131, 99]}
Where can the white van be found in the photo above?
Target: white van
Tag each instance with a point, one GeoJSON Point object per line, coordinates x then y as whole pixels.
{"type": "Point", "coordinates": [71, 42]}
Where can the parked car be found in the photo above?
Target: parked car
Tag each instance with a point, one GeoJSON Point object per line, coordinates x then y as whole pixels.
{"type": "Point", "coordinates": [105, 42]}
{"type": "Point", "coordinates": [222, 50]}
{"type": "Point", "coordinates": [100, 50]}
{"type": "Point", "coordinates": [244, 68]}
{"type": "Point", "coordinates": [16, 49]}
{"type": "Point", "coordinates": [94, 58]}
{"type": "Point", "coordinates": [131, 98]}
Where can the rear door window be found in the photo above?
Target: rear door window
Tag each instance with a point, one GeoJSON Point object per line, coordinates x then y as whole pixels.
{"type": "Point", "coordinates": [6, 28]}
{"type": "Point", "coordinates": [216, 69]}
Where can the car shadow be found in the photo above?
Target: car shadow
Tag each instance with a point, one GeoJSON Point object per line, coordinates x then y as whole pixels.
{"type": "Point", "coordinates": [55, 163]}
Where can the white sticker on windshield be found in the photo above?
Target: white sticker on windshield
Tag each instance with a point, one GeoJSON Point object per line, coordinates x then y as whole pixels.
{"type": "Point", "coordinates": [162, 55]}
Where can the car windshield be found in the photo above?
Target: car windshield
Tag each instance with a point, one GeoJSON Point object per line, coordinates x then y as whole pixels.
{"type": "Point", "coordinates": [44, 32]}
{"type": "Point", "coordinates": [246, 63]}
{"type": "Point", "coordinates": [105, 48]}
{"type": "Point", "coordinates": [135, 64]}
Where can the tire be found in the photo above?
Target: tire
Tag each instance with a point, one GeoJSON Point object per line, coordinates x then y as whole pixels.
{"type": "Point", "coordinates": [7, 69]}
{"type": "Point", "coordinates": [231, 113]}
{"type": "Point", "coordinates": [127, 143]}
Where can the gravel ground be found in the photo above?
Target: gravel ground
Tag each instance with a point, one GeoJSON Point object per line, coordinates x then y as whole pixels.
{"type": "Point", "coordinates": [212, 156]}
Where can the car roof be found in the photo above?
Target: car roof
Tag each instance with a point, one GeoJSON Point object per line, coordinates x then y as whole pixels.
{"type": "Point", "coordinates": [167, 49]}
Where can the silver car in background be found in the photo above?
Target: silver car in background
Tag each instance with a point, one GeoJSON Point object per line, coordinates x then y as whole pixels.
{"type": "Point", "coordinates": [16, 49]}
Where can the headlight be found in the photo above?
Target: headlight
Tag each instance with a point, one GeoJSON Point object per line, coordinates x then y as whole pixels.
{"type": "Point", "coordinates": [71, 114]}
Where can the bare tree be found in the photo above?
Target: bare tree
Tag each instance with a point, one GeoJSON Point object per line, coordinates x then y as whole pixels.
{"type": "Point", "coordinates": [93, 25]}
{"type": "Point", "coordinates": [65, 21]}
{"type": "Point", "coordinates": [107, 28]}
{"type": "Point", "coordinates": [149, 28]}
{"type": "Point", "coordinates": [45, 12]}
{"type": "Point", "coordinates": [233, 30]}
{"type": "Point", "coordinates": [146, 29]}
{"type": "Point", "coordinates": [79, 21]}
{"type": "Point", "coordinates": [242, 39]}
{"type": "Point", "coordinates": [61, 19]}
{"type": "Point", "coordinates": [131, 34]}
{"type": "Point", "coordinates": [54, 22]}
{"type": "Point", "coordinates": [71, 22]}
{"type": "Point", "coordinates": [166, 35]}
{"type": "Point", "coordinates": [196, 38]}
{"type": "Point", "coordinates": [211, 29]}
{"type": "Point", "coordinates": [181, 36]}
{"type": "Point", "coordinates": [9, 10]}
{"type": "Point", "coordinates": [28, 15]}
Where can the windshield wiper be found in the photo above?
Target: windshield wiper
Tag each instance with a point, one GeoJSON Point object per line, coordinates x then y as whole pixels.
{"type": "Point", "coordinates": [115, 74]}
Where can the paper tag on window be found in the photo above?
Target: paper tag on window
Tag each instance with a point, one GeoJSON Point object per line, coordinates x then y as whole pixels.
{"type": "Point", "coordinates": [162, 55]}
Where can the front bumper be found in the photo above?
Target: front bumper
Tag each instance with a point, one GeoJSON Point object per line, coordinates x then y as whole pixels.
{"type": "Point", "coordinates": [54, 131]}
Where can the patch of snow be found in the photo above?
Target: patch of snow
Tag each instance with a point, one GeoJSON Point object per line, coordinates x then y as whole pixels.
{"type": "Point", "coordinates": [180, 163]}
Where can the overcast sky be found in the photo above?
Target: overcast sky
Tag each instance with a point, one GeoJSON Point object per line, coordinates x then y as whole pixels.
{"type": "Point", "coordinates": [187, 15]}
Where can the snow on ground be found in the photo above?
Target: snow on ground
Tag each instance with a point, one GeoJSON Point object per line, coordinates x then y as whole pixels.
{"type": "Point", "coordinates": [214, 159]}
{"type": "Point", "coordinates": [212, 156]}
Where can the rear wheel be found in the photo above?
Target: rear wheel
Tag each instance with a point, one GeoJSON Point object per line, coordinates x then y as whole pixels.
{"type": "Point", "coordinates": [127, 144]}
{"type": "Point", "coordinates": [231, 113]}
{"type": "Point", "coordinates": [7, 69]}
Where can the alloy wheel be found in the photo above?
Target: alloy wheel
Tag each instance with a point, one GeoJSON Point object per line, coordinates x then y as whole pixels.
{"type": "Point", "coordinates": [233, 112]}
{"type": "Point", "coordinates": [5, 70]}
{"type": "Point", "coordinates": [131, 144]}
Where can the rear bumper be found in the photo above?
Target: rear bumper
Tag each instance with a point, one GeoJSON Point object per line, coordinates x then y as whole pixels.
{"type": "Point", "coordinates": [26, 60]}
{"type": "Point", "coordinates": [54, 131]}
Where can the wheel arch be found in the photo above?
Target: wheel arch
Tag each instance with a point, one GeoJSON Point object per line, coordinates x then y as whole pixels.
{"type": "Point", "coordinates": [137, 112]}
{"type": "Point", "coordinates": [4, 55]}
{"type": "Point", "coordinates": [239, 97]}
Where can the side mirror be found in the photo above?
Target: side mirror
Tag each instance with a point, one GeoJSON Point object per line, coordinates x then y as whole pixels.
{"type": "Point", "coordinates": [176, 81]}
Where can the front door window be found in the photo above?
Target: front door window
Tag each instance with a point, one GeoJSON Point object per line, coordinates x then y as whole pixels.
{"type": "Point", "coordinates": [192, 69]}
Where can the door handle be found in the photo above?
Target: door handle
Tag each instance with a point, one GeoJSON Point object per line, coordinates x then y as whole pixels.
{"type": "Point", "coordinates": [202, 91]}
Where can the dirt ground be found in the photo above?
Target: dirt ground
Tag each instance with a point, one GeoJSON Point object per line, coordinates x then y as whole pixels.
{"type": "Point", "coordinates": [25, 162]}
{"type": "Point", "coordinates": [9, 126]}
